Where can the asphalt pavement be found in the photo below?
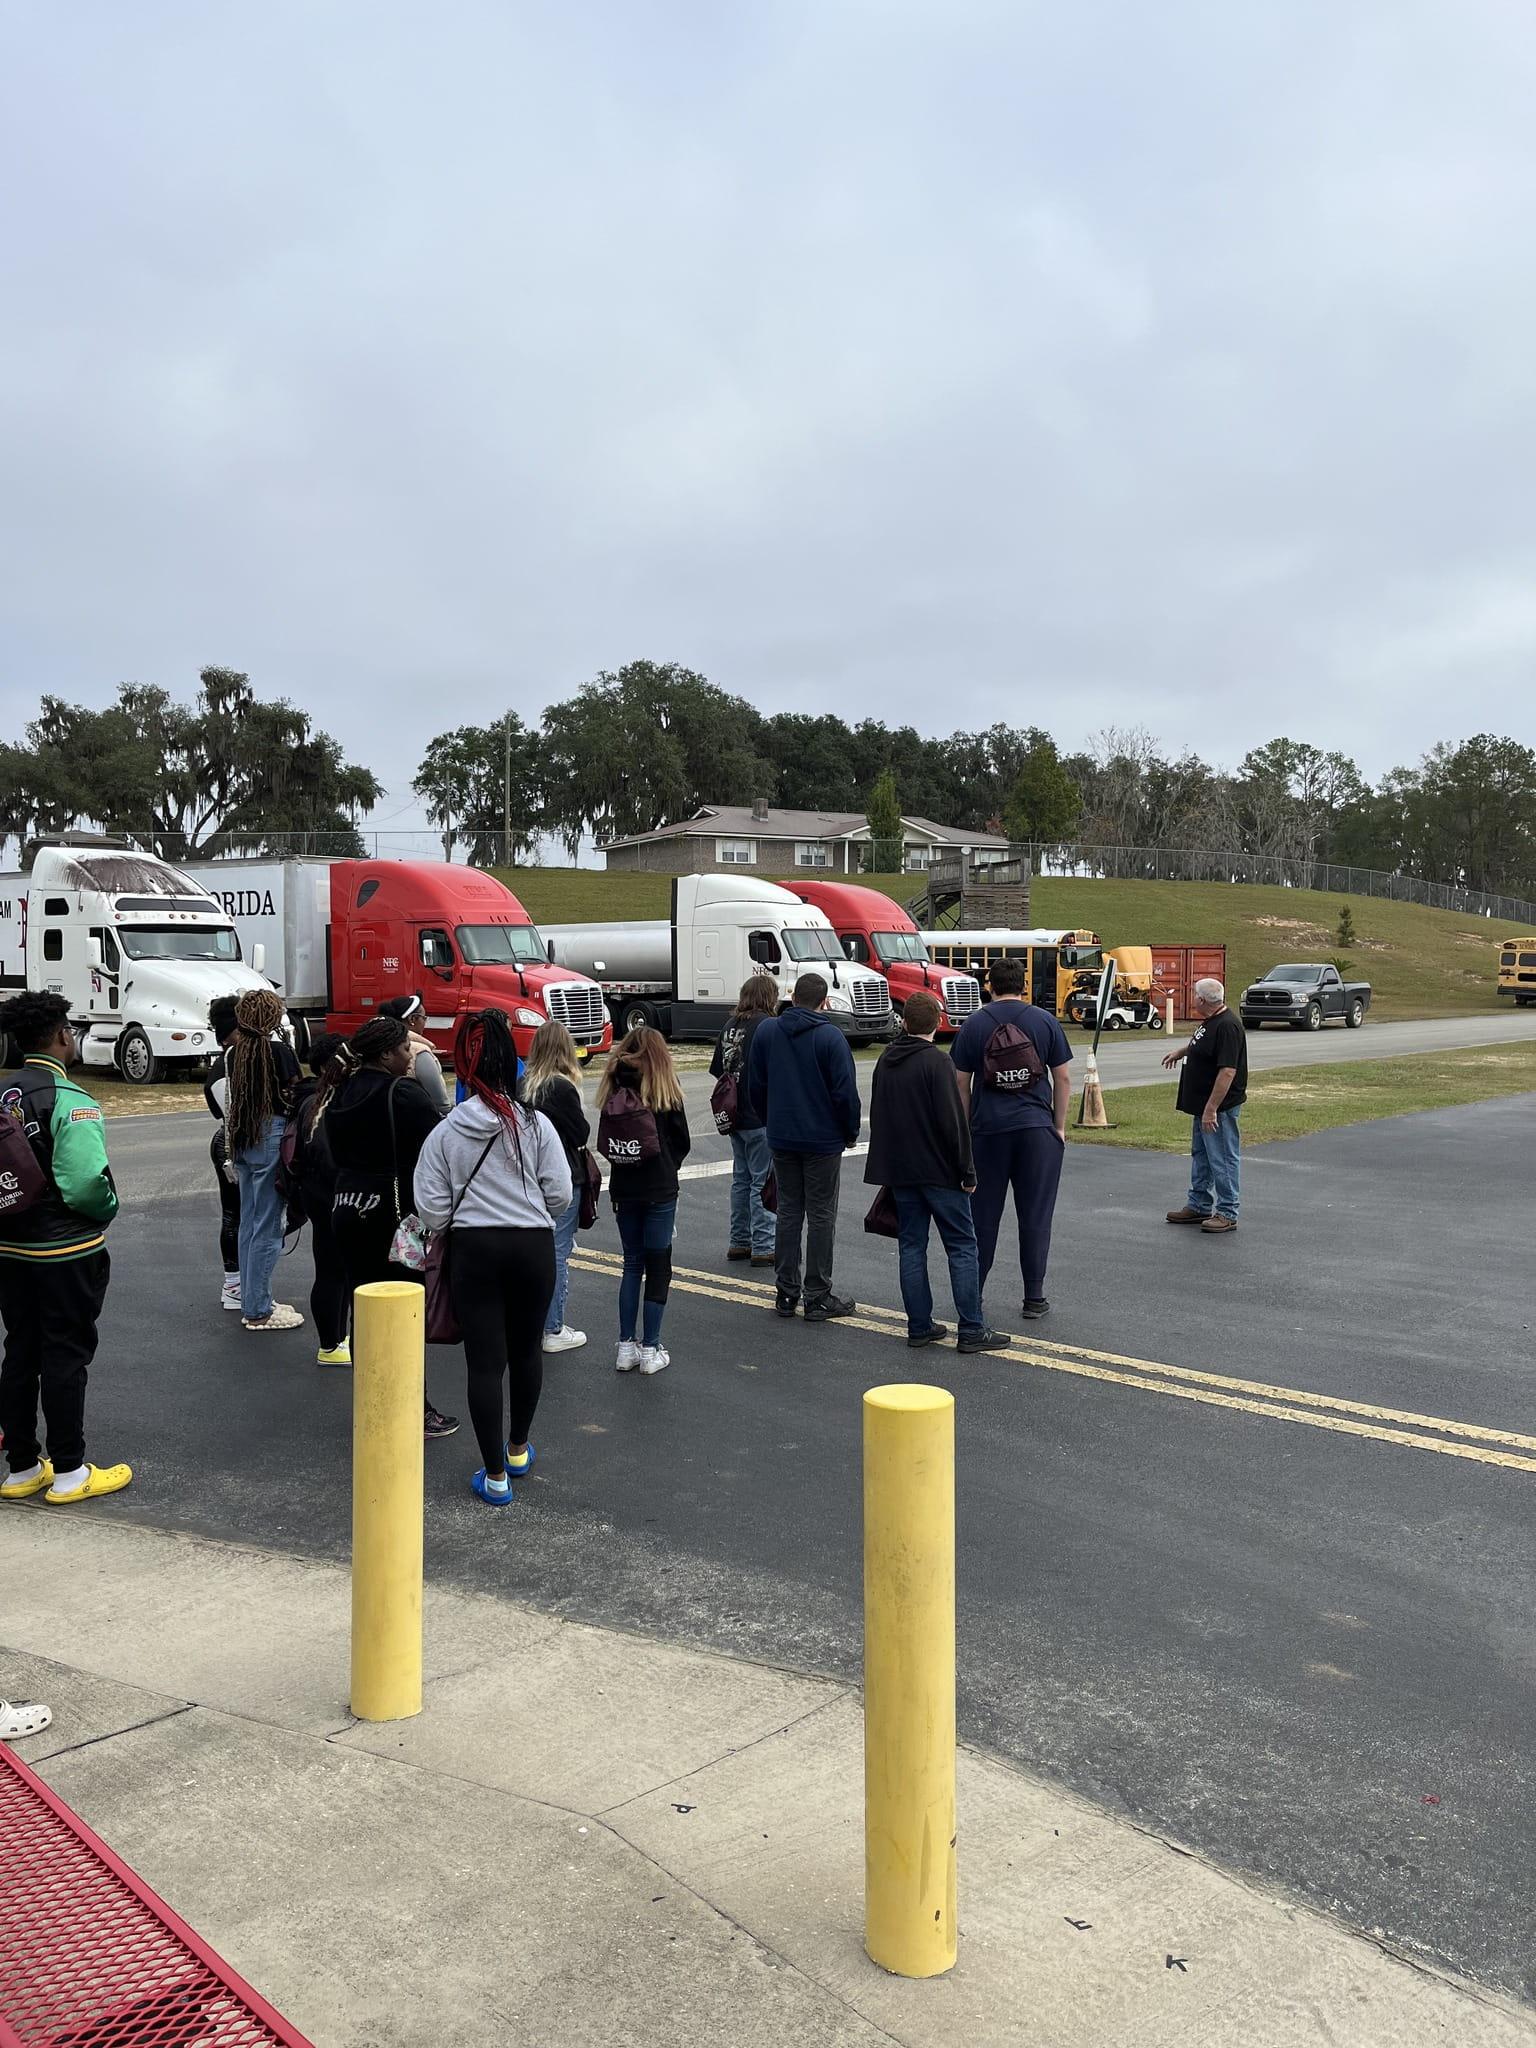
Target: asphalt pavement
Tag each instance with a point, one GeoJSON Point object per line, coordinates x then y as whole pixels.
{"type": "Point", "coordinates": [1280, 1607]}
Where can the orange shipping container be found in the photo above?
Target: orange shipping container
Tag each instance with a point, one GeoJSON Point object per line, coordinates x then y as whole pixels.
{"type": "Point", "coordinates": [1177, 969]}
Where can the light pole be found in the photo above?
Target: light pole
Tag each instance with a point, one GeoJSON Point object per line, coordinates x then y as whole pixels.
{"type": "Point", "coordinates": [506, 793]}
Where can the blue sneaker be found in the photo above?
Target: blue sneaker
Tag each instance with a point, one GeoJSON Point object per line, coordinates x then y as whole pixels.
{"type": "Point", "coordinates": [516, 1470]}
{"type": "Point", "coordinates": [492, 1500]}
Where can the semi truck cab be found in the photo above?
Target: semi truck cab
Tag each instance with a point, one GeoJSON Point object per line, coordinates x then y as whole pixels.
{"type": "Point", "coordinates": [461, 941]}
{"type": "Point", "coordinates": [876, 932]}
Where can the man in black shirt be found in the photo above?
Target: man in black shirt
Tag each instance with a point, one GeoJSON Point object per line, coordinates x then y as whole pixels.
{"type": "Point", "coordinates": [1212, 1087]}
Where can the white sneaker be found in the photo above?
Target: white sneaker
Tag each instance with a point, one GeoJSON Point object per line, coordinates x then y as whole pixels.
{"type": "Point", "coordinates": [282, 1317]}
{"type": "Point", "coordinates": [564, 1339]}
{"type": "Point", "coordinates": [654, 1358]}
{"type": "Point", "coordinates": [229, 1295]}
{"type": "Point", "coordinates": [628, 1356]}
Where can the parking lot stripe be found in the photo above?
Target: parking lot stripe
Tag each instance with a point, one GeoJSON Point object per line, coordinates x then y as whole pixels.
{"type": "Point", "coordinates": [1467, 1440]}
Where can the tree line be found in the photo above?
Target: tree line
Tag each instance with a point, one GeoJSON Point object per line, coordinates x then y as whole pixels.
{"type": "Point", "coordinates": [649, 743]}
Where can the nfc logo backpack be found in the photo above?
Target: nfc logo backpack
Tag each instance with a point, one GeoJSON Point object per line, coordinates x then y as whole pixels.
{"type": "Point", "coordinates": [1009, 1061]}
{"type": "Point", "coordinates": [626, 1130]}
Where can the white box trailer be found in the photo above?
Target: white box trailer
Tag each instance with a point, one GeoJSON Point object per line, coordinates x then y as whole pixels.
{"type": "Point", "coordinates": [284, 907]}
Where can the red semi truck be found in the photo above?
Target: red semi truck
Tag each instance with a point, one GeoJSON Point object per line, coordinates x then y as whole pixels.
{"type": "Point", "coordinates": [877, 932]}
{"type": "Point", "coordinates": [339, 937]}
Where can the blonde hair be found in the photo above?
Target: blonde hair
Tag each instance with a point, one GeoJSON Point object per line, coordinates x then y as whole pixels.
{"type": "Point", "coordinates": [551, 1057]}
{"type": "Point", "coordinates": [646, 1051]}
{"type": "Point", "coordinates": [252, 1096]}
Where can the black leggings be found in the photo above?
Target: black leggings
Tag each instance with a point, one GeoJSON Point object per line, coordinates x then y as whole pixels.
{"type": "Point", "coordinates": [362, 1238]}
{"type": "Point", "coordinates": [229, 1207]}
{"type": "Point", "coordinates": [501, 1282]}
{"type": "Point", "coordinates": [330, 1297]}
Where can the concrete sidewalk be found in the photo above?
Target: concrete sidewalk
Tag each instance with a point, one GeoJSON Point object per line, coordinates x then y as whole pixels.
{"type": "Point", "coordinates": [589, 1837]}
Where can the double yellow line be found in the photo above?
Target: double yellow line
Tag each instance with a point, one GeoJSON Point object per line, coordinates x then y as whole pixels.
{"type": "Point", "coordinates": [1470, 1440]}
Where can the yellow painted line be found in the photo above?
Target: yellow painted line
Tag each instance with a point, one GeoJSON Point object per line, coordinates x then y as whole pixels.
{"type": "Point", "coordinates": [1179, 1382]}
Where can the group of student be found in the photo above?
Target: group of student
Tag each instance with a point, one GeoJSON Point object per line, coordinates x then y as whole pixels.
{"type": "Point", "coordinates": [950, 1135]}
{"type": "Point", "coordinates": [370, 1152]}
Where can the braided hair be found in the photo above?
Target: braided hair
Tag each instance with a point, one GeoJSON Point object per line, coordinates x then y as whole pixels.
{"type": "Point", "coordinates": [485, 1060]}
{"type": "Point", "coordinates": [368, 1044]}
{"type": "Point", "coordinates": [255, 1094]}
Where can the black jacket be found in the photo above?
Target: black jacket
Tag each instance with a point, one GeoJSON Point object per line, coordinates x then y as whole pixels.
{"type": "Point", "coordinates": [656, 1179]}
{"type": "Point", "coordinates": [561, 1103]}
{"type": "Point", "coordinates": [356, 1127]}
{"type": "Point", "coordinates": [733, 1048]}
{"type": "Point", "coordinates": [918, 1132]}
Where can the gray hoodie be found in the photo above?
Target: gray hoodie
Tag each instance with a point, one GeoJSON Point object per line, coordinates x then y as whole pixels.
{"type": "Point", "coordinates": [506, 1193]}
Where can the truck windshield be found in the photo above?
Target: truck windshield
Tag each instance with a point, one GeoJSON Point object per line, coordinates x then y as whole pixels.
{"type": "Point", "coordinates": [493, 945]}
{"type": "Point", "coordinates": [891, 946]}
{"type": "Point", "coordinates": [818, 942]}
{"type": "Point", "coordinates": [178, 942]}
{"type": "Point", "coordinates": [1292, 973]}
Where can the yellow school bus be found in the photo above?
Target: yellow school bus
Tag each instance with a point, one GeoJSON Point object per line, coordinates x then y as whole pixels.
{"type": "Point", "coordinates": [1054, 962]}
{"type": "Point", "coordinates": [1517, 969]}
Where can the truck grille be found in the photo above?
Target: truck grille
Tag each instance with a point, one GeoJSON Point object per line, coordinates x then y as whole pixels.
{"type": "Point", "coordinates": [961, 997]}
{"type": "Point", "coordinates": [871, 998]}
{"type": "Point", "coordinates": [578, 1005]}
{"type": "Point", "coordinates": [1266, 999]}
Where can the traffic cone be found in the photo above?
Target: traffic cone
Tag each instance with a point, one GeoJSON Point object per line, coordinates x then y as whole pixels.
{"type": "Point", "coordinates": [1090, 1108]}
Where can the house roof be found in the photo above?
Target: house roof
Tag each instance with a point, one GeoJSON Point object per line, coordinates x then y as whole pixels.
{"type": "Point", "coordinates": [735, 821]}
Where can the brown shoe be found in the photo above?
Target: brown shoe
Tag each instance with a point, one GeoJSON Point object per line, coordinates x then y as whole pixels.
{"type": "Point", "coordinates": [737, 1252]}
{"type": "Point", "coordinates": [1189, 1215]}
{"type": "Point", "coordinates": [1218, 1225]}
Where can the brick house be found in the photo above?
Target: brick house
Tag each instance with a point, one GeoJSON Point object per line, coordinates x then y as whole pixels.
{"type": "Point", "coordinates": [771, 842]}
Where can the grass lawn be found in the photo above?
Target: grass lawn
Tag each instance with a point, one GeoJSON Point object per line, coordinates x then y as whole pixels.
{"type": "Point", "coordinates": [1289, 1102]}
{"type": "Point", "coordinates": [128, 1098]}
{"type": "Point", "coordinates": [1420, 963]}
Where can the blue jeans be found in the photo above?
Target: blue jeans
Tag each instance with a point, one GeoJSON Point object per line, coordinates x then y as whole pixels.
{"type": "Point", "coordinates": [645, 1231]}
{"type": "Point", "coordinates": [565, 1237]}
{"type": "Point", "coordinates": [950, 1209]}
{"type": "Point", "coordinates": [1213, 1165]}
{"type": "Point", "coordinates": [261, 1221]}
{"type": "Point", "coordinates": [751, 1163]}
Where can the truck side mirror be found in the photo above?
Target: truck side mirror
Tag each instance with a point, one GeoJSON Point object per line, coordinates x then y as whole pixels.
{"type": "Point", "coordinates": [95, 955]}
{"type": "Point", "coordinates": [259, 958]}
{"type": "Point", "coordinates": [549, 951]}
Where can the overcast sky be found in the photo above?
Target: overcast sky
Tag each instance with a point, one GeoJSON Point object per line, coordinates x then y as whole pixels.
{"type": "Point", "coordinates": [937, 360]}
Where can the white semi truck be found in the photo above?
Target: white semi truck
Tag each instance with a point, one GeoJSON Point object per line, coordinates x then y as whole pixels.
{"type": "Point", "coordinates": [136, 947]}
{"type": "Point", "coordinates": [682, 974]}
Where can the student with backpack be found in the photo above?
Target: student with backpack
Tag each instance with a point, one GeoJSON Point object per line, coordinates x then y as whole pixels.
{"type": "Point", "coordinates": [643, 1133]}
{"type": "Point", "coordinates": [312, 1175]}
{"type": "Point", "coordinates": [494, 1176]}
{"type": "Point", "coordinates": [1012, 1061]}
{"type": "Point", "coordinates": [56, 1200]}
{"type": "Point", "coordinates": [752, 1226]}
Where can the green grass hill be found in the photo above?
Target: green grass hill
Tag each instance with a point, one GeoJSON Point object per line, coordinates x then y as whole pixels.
{"type": "Point", "coordinates": [1420, 963]}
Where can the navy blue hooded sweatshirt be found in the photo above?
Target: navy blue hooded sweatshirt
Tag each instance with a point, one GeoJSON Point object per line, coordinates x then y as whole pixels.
{"type": "Point", "coordinates": [803, 1084]}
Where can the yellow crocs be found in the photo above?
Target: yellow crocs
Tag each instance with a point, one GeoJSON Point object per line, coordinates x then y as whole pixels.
{"type": "Point", "coordinates": [23, 1489]}
{"type": "Point", "coordinates": [100, 1479]}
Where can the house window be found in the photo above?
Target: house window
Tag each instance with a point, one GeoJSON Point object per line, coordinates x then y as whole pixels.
{"type": "Point", "coordinates": [919, 859]}
{"type": "Point", "coordinates": [810, 853]}
{"type": "Point", "coordinates": [736, 853]}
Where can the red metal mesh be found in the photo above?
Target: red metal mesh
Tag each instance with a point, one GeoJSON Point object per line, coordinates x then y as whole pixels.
{"type": "Point", "coordinates": [91, 1958]}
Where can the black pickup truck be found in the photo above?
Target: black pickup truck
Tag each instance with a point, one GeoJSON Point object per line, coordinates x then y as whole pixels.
{"type": "Point", "coordinates": [1305, 995]}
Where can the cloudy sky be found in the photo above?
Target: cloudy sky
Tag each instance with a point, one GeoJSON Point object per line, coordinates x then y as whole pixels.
{"type": "Point", "coordinates": [941, 360]}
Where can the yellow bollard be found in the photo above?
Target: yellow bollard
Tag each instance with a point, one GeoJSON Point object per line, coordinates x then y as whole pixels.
{"type": "Point", "coordinates": [387, 1505]}
{"type": "Point", "coordinates": [909, 1679]}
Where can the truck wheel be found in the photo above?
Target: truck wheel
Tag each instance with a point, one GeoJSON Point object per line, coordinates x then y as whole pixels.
{"type": "Point", "coordinates": [1314, 1017]}
{"type": "Point", "coordinates": [634, 1015]}
{"type": "Point", "coordinates": [136, 1060]}
{"type": "Point", "coordinates": [10, 1051]}
{"type": "Point", "coordinates": [1356, 1015]}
